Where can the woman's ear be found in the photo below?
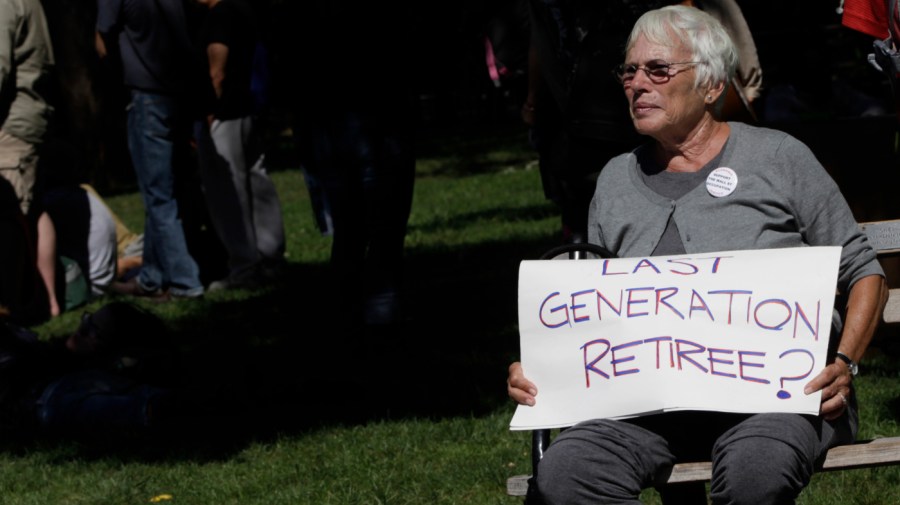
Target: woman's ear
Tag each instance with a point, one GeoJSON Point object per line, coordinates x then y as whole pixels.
{"type": "Point", "coordinates": [714, 92]}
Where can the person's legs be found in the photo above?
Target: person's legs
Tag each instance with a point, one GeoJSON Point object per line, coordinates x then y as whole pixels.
{"type": "Point", "coordinates": [768, 458]}
{"type": "Point", "coordinates": [166, 260]}
{"type": "Point", "coordinates": [388, 186]}
{"type": "Point", "coordinates": [602, 461]}
{"type": "Point", "coordinates": [366, 167]}
{"type": "Point", "coordinates": [303, 133]}
{"type": "Point", "coordinates": [341, 154]}
{"type": "Point", "coordinates": [46, 259]}
{"type": "Point", "coordinates": [268, 221]}
{"type": "Point", "coordinates": [225, 181]}
{"type": "Point", "coordinates": [92, 402]}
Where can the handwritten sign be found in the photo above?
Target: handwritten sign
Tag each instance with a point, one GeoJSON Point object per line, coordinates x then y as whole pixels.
{"type": "Point", "coordinates": [734, 331]}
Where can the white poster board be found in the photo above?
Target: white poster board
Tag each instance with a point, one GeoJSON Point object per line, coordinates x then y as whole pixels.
{"type": "Point", "coordinates": [735, 331]}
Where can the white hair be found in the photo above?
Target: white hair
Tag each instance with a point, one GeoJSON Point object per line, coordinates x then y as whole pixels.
{"type": "Point", "coordinates": [703, 35]}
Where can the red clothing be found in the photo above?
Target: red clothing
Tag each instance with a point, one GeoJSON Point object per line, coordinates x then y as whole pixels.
{"type": "Point", "coordinates": [867, 16]}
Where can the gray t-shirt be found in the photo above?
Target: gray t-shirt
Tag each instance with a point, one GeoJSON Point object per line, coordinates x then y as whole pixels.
{"type": "Point", "coordinates": [672, 185]}
{"type": "Point", "coordinates": [154, 43]}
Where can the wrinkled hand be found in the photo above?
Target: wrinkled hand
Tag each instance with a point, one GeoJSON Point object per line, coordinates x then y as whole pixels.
{"type": "Point", "coordinates": [834, 382]}
{"type": "Point", "coordinates": [518, 387]}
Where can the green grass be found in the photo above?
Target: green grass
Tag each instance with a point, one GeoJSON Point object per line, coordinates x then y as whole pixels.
{"type": "Point", "coordinates": [298, 414]}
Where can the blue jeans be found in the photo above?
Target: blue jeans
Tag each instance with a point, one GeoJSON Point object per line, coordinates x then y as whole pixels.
{"type": "Point", "coordinates": [152, 131]}
{"type": "Point", "coordinates": [94, 401]}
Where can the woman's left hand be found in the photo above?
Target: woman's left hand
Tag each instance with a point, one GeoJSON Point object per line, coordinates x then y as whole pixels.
{"type": "Point", "coordinates": [834, 382]}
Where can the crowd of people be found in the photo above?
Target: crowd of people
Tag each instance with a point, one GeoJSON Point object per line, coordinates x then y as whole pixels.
{"type": "Point", "coordinates": [195, 79]}
{"type": "Point", "coordinates": [191, 75]}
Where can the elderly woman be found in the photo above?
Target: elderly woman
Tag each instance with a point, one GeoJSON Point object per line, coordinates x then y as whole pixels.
{"type": "Point", "coordinates": [660, 200]}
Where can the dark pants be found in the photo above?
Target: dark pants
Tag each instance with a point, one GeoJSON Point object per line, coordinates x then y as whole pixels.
{"type": "Point", "coordinates": [763, 458]}
{"type": "Point", "coordinates": [366, 166]}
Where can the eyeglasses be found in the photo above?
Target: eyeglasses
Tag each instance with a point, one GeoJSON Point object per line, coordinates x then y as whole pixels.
{"type": "Point", "coordinates": [659, 71]}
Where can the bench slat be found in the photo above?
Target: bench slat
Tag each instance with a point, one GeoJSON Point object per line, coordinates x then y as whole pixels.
{"type": "Point", "coordinates": [892, 308]}
{"type": "Point", "coordinates": [689, 472]}
{"type": "Point", "coordinates": [862, 454]}
{"type": "Point", "coordinates": [884, 236]}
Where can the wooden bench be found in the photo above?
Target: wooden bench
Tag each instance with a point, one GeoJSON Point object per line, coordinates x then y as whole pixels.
{"type": "Point", "coordinates": [885, 238]}
{"type": "Point", "coordinates": [862, 454]}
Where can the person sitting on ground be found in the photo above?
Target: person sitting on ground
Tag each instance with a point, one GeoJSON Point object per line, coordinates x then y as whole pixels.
{"type": "Point", "coordinates": [129, 245]}
{"type": "Point", "coordinates": [94, 237]}
{"type": "Point", "coordinates": [653, 201]}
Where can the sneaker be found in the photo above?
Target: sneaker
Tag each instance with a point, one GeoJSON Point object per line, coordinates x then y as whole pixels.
{"type": "Point", "coordinates": [190, 294]}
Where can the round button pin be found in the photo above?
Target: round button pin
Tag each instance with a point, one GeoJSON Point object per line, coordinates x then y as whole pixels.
{"type": "Point", "coordinates": [721, 182]}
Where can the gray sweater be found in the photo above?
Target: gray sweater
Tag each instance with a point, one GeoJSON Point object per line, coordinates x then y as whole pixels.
{"type": "Point", "coordinates": [783, 198]}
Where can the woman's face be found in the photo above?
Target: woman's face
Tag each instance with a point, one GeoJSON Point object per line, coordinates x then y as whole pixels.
{"type": "Point", "coordinates": [665, 108]}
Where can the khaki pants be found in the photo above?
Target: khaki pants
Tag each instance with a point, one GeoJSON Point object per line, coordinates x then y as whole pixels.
{"type": "Point", "coordinates": [18, 165]}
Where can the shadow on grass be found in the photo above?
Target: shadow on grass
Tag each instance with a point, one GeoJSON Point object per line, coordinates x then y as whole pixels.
{"type": "Point", "coordinates": [279, 362]}
{"type": "Point", "coordinates": [447, 358]}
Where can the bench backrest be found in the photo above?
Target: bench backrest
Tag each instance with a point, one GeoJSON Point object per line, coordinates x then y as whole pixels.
{"type": "Point", "coordinates": [885, 238]}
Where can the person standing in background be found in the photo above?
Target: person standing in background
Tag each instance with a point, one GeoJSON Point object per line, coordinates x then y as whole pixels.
{"type": "Point", "coordinates": [355, 117]}
{"type": "Point", "coordinates": [879, 19]}
{"type": "Point", "coordinates": [157, 67]}
{"type": "Point", "coordinates": [26, 61]}
{"type": "Point", "coordinates": [242, 200]}
{"type": "Point", "coordinates": [576, 118]}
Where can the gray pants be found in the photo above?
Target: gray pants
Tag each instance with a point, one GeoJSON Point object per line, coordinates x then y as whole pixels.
{"type": "Point", "coordinates": [243, 203]}
{"type": "Point", "coordinates": [757, 459]}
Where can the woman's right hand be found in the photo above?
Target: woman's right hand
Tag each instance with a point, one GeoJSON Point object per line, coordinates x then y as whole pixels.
{"type": "Point", "coordinates": [518, 387]}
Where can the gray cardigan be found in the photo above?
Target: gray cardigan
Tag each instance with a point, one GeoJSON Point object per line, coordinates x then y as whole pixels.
{"type": "Point", "coordinates": [783, 198]}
